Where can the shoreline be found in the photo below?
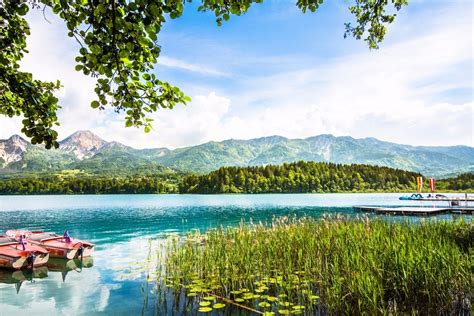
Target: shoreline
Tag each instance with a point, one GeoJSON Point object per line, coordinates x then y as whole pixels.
{"type": "Point", "coordinates": [244, 193]}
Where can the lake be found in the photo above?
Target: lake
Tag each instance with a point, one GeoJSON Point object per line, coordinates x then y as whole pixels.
{"type": "Point", "coordinates": [121, 226]}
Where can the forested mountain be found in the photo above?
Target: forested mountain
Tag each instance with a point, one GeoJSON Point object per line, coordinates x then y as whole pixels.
{"type": "Point", "coordinates": [85, 151]}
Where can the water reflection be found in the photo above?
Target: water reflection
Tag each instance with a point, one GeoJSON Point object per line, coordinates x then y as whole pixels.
{"type": "Point", "coordinates": [17, 277]}
{"type": "Point", "coordinates": [62, 266]}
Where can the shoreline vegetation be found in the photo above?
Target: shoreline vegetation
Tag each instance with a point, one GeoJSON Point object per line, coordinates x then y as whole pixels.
{"type": "Point", "coordinates": [297, 177]}
{"type": "Point", "coordinates": [333, 265]}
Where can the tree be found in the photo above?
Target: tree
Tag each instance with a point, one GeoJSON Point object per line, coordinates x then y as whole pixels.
{"type": "Point", "coordinates": [117, 42]}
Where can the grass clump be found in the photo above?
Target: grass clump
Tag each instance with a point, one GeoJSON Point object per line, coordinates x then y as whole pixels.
{"type": "Point", "coordinates": [299, 266]}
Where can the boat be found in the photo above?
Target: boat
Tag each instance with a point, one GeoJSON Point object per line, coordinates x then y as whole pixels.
{"type": "Point", "coordinates": [20, 253]}
{"type": "Point", "coordinates": [58, 246]}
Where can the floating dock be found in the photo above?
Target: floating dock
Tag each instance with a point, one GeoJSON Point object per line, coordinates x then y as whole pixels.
{"type": "Point", "coordinates": [414, 210]}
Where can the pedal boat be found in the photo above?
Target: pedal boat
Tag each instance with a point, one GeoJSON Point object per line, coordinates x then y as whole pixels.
{"type": "Point", "coordinates": [19, 254]}
{"type": "Point", "coordinates": [58, 246]}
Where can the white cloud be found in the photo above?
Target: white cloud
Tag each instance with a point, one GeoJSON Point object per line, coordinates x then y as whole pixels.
{"type": "Point", "coordinates": [405, 92]}
{"type": "Point", "coordinates": [179, 64]}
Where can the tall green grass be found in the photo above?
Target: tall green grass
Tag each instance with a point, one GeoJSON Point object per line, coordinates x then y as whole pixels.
{"type": "Point", "coordinates": [335, 265]}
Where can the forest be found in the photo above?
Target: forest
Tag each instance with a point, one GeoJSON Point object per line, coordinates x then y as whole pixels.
{"type": "Point", "coordinates": [74, 184]}
{"type": "Point", "coordinates": [297, 177]}
{"type": "Point", "coordinates": [313, 177]}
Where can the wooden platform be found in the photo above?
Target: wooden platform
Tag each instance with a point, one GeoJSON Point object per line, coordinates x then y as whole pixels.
{"type": "Point", "coordinates": [413, 210]}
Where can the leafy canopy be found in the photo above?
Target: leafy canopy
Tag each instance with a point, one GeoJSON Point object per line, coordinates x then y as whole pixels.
{"type": "Point", "coordinates": [118, 45]}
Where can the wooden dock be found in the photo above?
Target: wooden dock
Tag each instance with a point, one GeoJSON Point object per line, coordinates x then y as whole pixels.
{"type": "Point", "coordinates": [414, 210]}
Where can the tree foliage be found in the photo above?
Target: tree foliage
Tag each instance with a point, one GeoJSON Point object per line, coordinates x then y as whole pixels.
{"type": "Point", "coordinates": [301, 177]}
{"type": "Point", "coordinates": [78, 184]}
{"type": "Point", "coordinates": [298, 177]}
{"type": "Point", "coordinates": [463, 182]}
{"type": "Point", "coordinates": [118, 46]}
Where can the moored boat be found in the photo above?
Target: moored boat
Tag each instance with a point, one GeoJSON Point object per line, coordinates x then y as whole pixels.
{"type": "Point", "coordinates": [19, 253]}
{"type": "Point", "coordinates": [58, 246]}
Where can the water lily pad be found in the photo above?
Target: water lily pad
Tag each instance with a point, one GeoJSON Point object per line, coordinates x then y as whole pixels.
{"type": "Point", "coordinates": [204, 303]}
{"type": "Point", "coordinates": [209, 298]}
{"type": "Point", "coordinates": [284, 311]}
{"type": "Point", "coordinates": [264, 304]}
{"type": "Point", "coordinates": [268, 313]}
{"type": "Point", "coordinates": [239, 300]}
{"type": "Point", "coordinates": [247, 296]}
{"type": "Point", "coordinates": [272, 298]}
{"type": "Point", "coordinates": [191, 294]}
{"type": "Point", "coordinates": [218, 305]}
{"type": "Point", "coordinates": [205, 309]}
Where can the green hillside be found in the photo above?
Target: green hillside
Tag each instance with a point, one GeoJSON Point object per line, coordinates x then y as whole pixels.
{"type": "Point", "coordinates": [90, 154]}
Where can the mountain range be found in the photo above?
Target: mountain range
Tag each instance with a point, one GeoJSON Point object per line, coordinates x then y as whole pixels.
{"type": "Point", "coordinates": [86, 151]}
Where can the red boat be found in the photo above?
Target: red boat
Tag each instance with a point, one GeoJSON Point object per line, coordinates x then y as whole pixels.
{"type": "Point", "coordinates": [18, 254]}
{"type": "Point", "coordinates": [58, 246]}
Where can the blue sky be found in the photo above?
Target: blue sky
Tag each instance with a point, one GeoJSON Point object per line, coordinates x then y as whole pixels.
{"type": "Point", "coordinates": [277, 71]}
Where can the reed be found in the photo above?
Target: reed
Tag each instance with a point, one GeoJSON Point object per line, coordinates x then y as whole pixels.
{"type": "Point", "coordinates": [302, 266]}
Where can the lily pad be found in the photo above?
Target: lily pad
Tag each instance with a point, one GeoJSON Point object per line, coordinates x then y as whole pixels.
{"type": "Point", "coordinates": [218, 305]}
{"type": "Point", "coordinates": [264, 304]}
{"type": "Point", "coordinates": [205, 309]}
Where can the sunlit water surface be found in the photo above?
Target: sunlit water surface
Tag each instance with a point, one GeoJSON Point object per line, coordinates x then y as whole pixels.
{"type": "Point", "coordinates": [121, 227]}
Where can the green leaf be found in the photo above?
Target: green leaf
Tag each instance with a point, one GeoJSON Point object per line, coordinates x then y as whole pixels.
{"type": "Point", "coordinates": [23, 9]}
{"type": "Point", "coordinates": [95, 104]}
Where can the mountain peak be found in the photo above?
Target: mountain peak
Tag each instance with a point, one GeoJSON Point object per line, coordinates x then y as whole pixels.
{"type": "Point", "coordinates": [17, 138]}
{"type": "Point", "coordinates": [12, 149]}
{"type": "Point", "coordinates": [83, 144]}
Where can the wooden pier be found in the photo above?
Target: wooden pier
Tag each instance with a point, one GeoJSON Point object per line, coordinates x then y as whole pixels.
{"type": "Point", "coordinates": [414, 210]}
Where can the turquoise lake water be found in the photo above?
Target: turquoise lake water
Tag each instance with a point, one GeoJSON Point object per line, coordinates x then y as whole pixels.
{"type": "Point", "coordinates": [121, 227]}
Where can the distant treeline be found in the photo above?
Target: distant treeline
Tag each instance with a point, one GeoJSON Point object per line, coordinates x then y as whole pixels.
{"type": "Point", "coordinates": [89, 185]}
{"type": "Point", "coordinates": [313, 177]}
{"type": "Point", "coordinates": [298, 177]}
{"type": "Point", "coordinates": [463, 182]}
{"type": "Point", "coordinates": [301, 177]}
